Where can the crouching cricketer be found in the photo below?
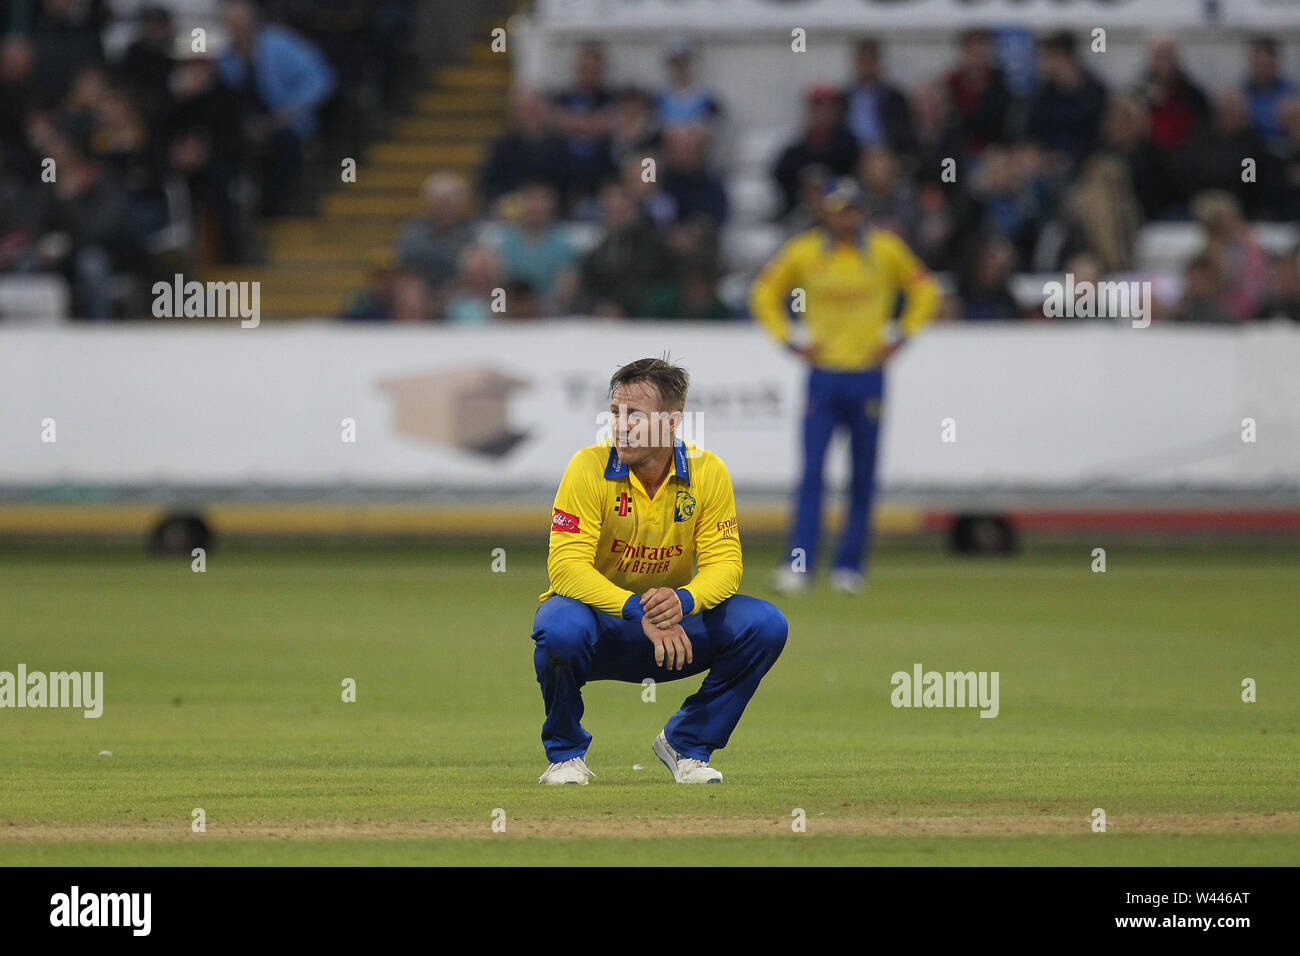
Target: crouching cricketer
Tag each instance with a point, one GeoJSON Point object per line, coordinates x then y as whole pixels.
{"type": "Point", "coordinates": [631, 515]}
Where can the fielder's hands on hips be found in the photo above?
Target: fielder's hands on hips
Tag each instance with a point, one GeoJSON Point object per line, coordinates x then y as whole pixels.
{"type": "Point", "coordinates": [662, 606]}
{"type": "Point", "coordinates": [672, 646]}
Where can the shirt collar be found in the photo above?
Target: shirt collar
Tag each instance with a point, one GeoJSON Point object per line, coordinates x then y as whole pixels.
{"type": "Point", "coordinates": [615, 469]}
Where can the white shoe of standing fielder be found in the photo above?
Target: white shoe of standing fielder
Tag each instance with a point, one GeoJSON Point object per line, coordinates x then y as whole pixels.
{"type": "Point", "coordinates": [572, 770]}
{"type": "Point", "coordinates": [846, 581]}
{"type": "Point", "coordinates": [789, 581]}
{"type": "Point", "coordinates": [684, 769]}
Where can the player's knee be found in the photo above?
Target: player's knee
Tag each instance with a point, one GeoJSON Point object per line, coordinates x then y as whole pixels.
{"type": "Point", "coordinates": [565, 629]}
{"type": "Point", "coordinates": [769, 626]}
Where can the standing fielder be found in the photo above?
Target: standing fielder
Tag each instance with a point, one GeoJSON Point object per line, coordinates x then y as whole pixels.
{"type": "Point", "coordinates": [850, 277]}
{"type": "Point", "coordinates": [630, 515]}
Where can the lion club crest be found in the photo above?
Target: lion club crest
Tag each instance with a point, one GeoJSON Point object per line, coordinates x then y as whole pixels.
{"type": "Point", "coordinates": [685, 506]}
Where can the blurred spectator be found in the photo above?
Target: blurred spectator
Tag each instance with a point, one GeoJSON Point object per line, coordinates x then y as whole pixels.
{"type": "Point", "coordinates": [683, 101]}
{"type": "Point", "coordinates": [431, 246]}
{"type": "Point", "coordinates": [1009, 207]}
{"type": "Point", "coordinates": [472, 295]}
{"type": "Point", "coordinates": [693, 188]}
{"type": "Point", "coordinates": [203, 145]}
{"type": "Point", "coordinates": [375, 303]}
{"type": "Point", "coordinates": [1283, 301]}
{"type": "Point", "coordinates": [19, 218]}
{"type": "Point", "coordinates": [1101, 214]}
{"type": "Point", "coordinates": [945, 216]}
{"type": "Point", "coordinates": [877, 113]}
{"type": "Point", "coordinates": [647, 192]}
{"type": "Point", "coordinates": [1231, 244]}
{"type": "Point", "coordinates": [412, 299]}
{"type": "Point", "coordinates": [1265, 89]}
{"type": "Point", "coordinates": [1175, 104]}
{"type": "Point", "coordinates": [699, 296]}
{"type": "Point", "coordinates": [1214, 158]}
{"type": "Point", "coordinates": [887, 197]}
{"type": "Point", "coordinates": [694, 245]}
{"type": "Point", "coordinates": [825, 141]}
{"type": "Point", "coordinates": [631, 271]}
{"type": "Point", "coordinates": [583, 116]}
{"type": "Point", "coordinates": [536, 253]}
{"type": "Point", "coordinates": [1124, 135]}
{"type": "Point", "coordinates": [284, 80]}
{"type": "Point", "coordinates": [634, 131]}
{"type": "Point", "coordinates": [86, 92]}
{"type": "Point", "coordinates": [1289, 171]}
{"type": "Point", "coordinates": [1087, 268]}
{"type": "Point", "coordinates": [84, 229]}
{"type": "Point", "coordinates": [66, 35]}
{"type": "Point", "coordinates": [978, 93]}
{"type": "Point", "coordinates": [147, 64]}
{"type": "Point", "coordinates": [522, 301]}
{"type": "Point", "coordinates": [984, 280]}
{"type": "Point", "coordinates": [1066, 109]}
{"type": "Point", "coordinates": [528, 151]}
{"type": "Point", "coordinates": [17, 88]}
{"type": "Point", "coordinates": [121, 141]}
{"type": "Point", "coordinates": [1203, 299]}
{"type": "Point", "coordinates": [936, 135]}
{"type": "Point", "coordinates": [806, 211]}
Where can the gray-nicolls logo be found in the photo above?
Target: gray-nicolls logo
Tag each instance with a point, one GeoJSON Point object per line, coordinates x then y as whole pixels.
{"type": "Point", "coordinates": [75, 908]}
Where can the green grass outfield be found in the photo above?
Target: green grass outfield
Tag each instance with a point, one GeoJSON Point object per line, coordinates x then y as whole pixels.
{"type": "Point", "coordinates": [1119, 690]}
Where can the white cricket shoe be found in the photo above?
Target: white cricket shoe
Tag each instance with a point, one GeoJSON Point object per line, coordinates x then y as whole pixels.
{"type": "Point", "coordinates": [846, 580]}
{"type": "Point", "coordinates": [685, 769]}
{"type": "Point", "coordinates": [572, 770]}
{"type": "Point", "coordinates": [789, 581]}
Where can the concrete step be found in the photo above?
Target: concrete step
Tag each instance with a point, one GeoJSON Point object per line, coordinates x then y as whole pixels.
{"type": "Point", "coordinates": [429, 155]}
{"type": "Point", "coordinates": [280, 280]}
{"type": "Point", "coordinates": [479, 76]}
{"type": "Point", "coordinates": [386, 178]}
{"type": "Point", "coordinates": [372, 204]}
{"type": "Point", "coordinates": [363, 231]}
{"type": "Point", "coordinates": [442, 128]}
{"type": "Point", "coordinates": [473, 102]}
{"type": "Point", "coordinates": [302, 305]}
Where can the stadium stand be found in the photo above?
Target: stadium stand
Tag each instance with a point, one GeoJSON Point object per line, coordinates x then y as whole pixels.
{"type": "Point", "coordinates": [169, 160]}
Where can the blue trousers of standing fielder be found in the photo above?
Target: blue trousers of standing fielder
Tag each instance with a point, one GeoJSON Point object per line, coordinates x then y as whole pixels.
{"type": "Point", "coordinates": [737, 642]}
{"type": "Point", "coordinates": [851, 400]}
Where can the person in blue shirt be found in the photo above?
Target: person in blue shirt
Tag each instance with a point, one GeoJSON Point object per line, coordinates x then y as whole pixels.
{"type": "Point", "coordinates": [684, 103]}
{"type": "Point", "coordinates": [1265, 90]}
{"type": "Point", "coordinates": [535, 251]}
{"type": "Point", "coordinates": [286, 81]}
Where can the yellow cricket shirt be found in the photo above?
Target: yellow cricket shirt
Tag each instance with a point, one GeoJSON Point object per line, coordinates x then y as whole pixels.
{"type": "Point", "coordinates": [849, 294]}
{"type": "Point", "coordinates": [611, 542]}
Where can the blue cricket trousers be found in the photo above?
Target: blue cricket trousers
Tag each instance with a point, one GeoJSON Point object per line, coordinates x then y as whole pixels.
{"type": "Point", "coordinates": [737, 642]}
{"type": "Point", "coordinates": [852, 400]}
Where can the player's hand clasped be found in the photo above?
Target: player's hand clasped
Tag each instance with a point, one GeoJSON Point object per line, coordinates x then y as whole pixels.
{"type": "Point", "coordinates": [672, 646]}
{"type": "Point", "coordinates": [662, 606]}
